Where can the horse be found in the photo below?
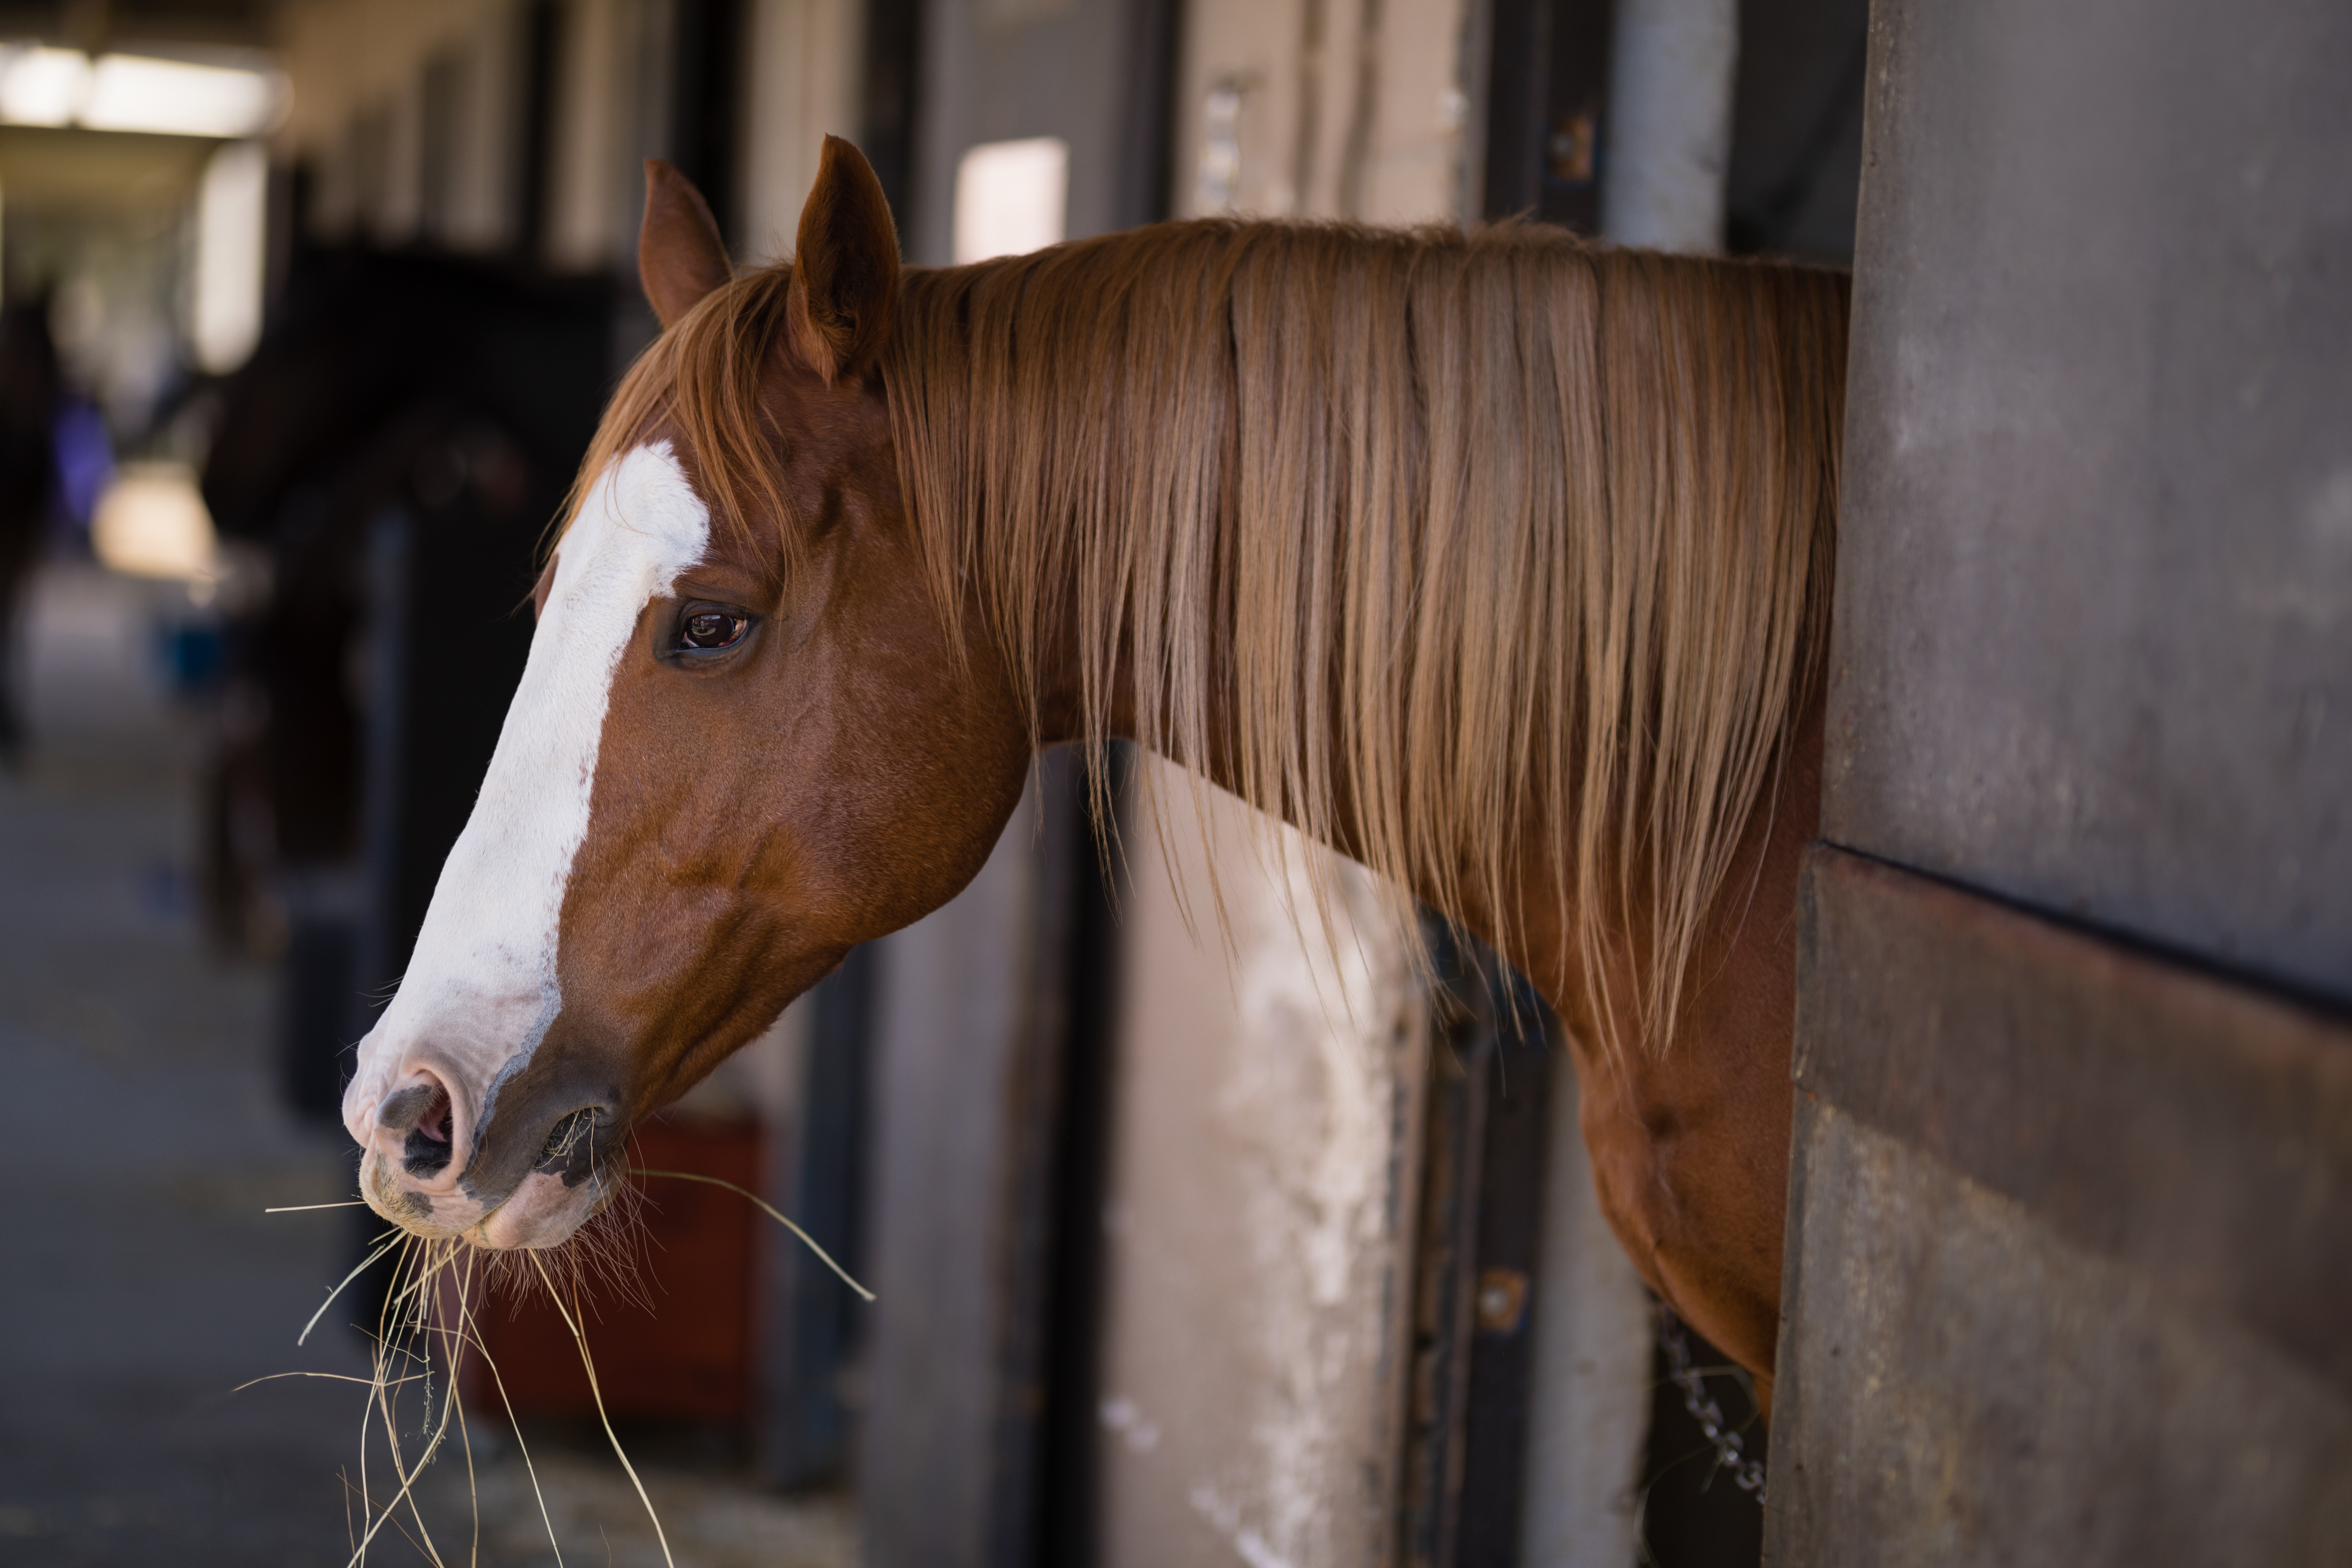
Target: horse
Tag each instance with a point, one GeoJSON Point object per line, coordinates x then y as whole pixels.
{"type": "Point", "coordinates": [430, 386]}
{"type": "Point", "coordinates": [31, 386]}
{"type": "Point", "coordinates": [1501, 562]}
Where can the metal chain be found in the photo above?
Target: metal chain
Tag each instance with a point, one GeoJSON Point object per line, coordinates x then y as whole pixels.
{"type": "Point", "coordinates": [1730, 1453]}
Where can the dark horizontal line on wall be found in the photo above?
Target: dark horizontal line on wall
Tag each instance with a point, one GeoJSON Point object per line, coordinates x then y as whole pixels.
{"type": "Point", "coordinates": [2283, 992]}
{"type": "Point", "coordinates": [2192, 1127]}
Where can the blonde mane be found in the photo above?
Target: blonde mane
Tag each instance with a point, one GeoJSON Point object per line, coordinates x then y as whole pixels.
{"type": "Point", "coordinates": [1502, 559]}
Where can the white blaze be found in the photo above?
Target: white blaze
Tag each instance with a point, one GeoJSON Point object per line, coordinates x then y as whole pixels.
{"type": "Point", "coordinates": [481, 986]}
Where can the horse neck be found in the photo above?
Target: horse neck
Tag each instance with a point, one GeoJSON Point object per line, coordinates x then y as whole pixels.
{"type": "Point", "coordinates": [1459, 554]}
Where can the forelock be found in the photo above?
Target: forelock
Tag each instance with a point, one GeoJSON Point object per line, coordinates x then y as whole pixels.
{"type": "Point", "coordinates": [699, 386]}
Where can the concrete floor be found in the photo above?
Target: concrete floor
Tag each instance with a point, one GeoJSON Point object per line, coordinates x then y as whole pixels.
{"type": "Point", "coordinates": [139, 1281]}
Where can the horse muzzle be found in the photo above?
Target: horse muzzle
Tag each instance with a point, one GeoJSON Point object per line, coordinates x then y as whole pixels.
{"type": "Point", "coordinates": [500, 1170]}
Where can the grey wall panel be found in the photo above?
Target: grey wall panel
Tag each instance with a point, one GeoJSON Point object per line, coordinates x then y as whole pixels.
{"type": "Point", "coordinates": [2074, 1237]}
{"type": "Point", "coordinates": [2072, 1221]}
{"type": "Point", "coordinates": [2099, 1421]}
{"type": "Point", "coordinates": [955, 1042]}
{"type": "Point", "coordinates": [2093, 643]}
{"type": "Point", "coordinates": [2184, 1126]}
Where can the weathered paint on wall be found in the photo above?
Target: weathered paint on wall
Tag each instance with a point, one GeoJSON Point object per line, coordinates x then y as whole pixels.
{"type": "Point", "coordinates": [1352, 108]}
{"type": "Point", "coordinates": [1259, 1207]}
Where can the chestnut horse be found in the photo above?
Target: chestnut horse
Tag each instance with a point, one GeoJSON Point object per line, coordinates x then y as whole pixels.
{"type": "Point", "coordinates": [1499, 561]}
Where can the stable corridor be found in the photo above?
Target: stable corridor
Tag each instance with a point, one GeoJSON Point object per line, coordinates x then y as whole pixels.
{"type": "Point", "coordinates": [141, 1281]}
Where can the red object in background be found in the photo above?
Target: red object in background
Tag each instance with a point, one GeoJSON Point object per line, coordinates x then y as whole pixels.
{"type": "Point", "coordinates": [688, 1359]}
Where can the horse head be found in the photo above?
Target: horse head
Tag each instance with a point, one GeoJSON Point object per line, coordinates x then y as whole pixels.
{"type": "Point", "coordinates": [746, 740]}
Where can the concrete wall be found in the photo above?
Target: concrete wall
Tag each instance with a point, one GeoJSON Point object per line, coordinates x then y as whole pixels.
{"type": "Point", "coordinates": [1353, 109]}
{"type": "Point", "coordinates": [2071, 1262]}
{"type": "Point", "coordinates": [2095, 609]}
{"type": "Point", "coordinates": [2072, 1182]}
{"type": "Point", "coordinates": [998, 70]}
{"type": "Point", "coordinates": [803, 74]}
{"type": "Point", "coordinates": [1260, 1206]}
{"type": "Point", "coordinates": [958, 1048]}
{"type": "Point", "coordinates": [358, 71]}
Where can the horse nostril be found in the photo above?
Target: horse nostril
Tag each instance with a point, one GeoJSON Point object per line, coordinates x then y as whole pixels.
{"type": "Point", "coordinates": [570, 1149]}
{"type": "Point", "coordinates": [563, 1139]}
{"type": "Point", "coordinates": [426, 1150]}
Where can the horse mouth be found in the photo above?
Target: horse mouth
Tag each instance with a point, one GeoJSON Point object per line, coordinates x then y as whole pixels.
{"type": "Point", "coordinates": [404, 1206]}
{"type": "Point", "coordinates": [563, 1184]}
{"type": "Point", "coordinates": [546, 1211]}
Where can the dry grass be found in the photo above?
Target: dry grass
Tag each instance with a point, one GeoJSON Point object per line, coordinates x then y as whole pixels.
{"type": "Point", "coordinates": [429, 1324]}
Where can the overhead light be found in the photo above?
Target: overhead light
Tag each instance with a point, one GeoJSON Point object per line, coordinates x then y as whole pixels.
{"type": "Point", "coordinates": [133, 92]}
{"type": "Point", "coordinates": [40, 86]}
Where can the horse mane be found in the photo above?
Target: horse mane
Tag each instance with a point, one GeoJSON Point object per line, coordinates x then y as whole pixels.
{"type": "Point", "coordinates": [1510, 547]}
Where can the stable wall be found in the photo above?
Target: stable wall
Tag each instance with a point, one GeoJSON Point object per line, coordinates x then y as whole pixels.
{"type": "Point", "coordinates": [1259, 1211]}
{"type": "Point", "coordinates": [2072, 1196]}
{"type": "Point", "coordinates": [1088, 71]}
{"type": "Point", "coordinates": [367, 78]}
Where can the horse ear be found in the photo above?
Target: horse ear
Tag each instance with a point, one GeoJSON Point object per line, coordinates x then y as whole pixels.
{"type": "Point", "coordinates": [846, 269]}
{"type": "Point", "coordinates": [681, 256]}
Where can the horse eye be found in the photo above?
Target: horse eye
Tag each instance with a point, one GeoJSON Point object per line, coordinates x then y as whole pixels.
{"type": "Point", "coordinates": [712, 629]}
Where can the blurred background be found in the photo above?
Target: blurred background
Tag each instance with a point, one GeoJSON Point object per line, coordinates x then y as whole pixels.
{"type": "Point", "coordinates": [310, 310]}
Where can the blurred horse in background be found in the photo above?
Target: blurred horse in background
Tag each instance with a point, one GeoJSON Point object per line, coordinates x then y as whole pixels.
{"type": "Point", "coordinates": [391, 452]}
{"type": "Point", "coordinates": [31, 388]}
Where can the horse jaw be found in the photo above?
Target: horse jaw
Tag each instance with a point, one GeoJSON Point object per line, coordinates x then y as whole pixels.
{"type": "Point", "coordinates": [481, 989]}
